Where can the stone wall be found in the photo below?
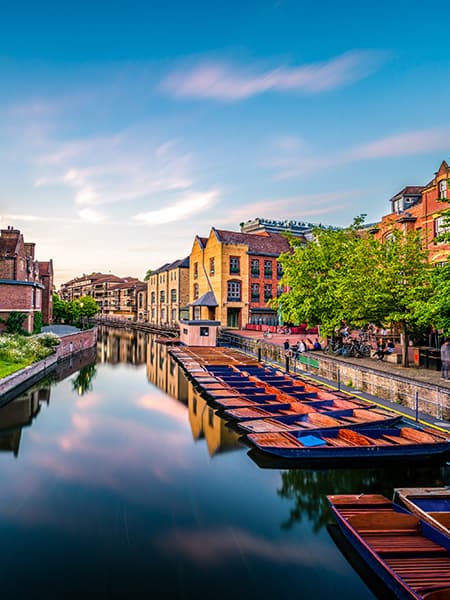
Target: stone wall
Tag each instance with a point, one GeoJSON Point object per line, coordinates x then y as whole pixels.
{"type": "Point", "coordinates": [76, 342]}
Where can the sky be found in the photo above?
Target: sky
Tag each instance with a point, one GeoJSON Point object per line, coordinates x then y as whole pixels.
{"type": "Point", "coordinates": [127, 128]}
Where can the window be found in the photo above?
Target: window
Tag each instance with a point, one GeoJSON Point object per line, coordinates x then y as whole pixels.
{"type": "Point", "coordinates": [279, 270]}
{"type": "Point", "coordinates": [443, 189]}
{"type": "Point", "coordinates": [279, 290]}
{"type": "Point", "coordinates": [153, 298]}
{"type": "Point", "coordinates": [267, 291]}
{"type": "Point", "coordinates": [204, 331]}
{"type": "Point", "coordinates": [196, 291]}
{"type": "Point", "coordinates": [234, 291]}
{"type": "Point", "coordinates": [195, 270]}
{"type": "Point", "coordinates": [441, 225]}
{"type": "Point", "coordinates": [174, 314]}
{"type": "Point", "coordinates": [268, 269]}
{"type": "Point", "coordinates": [153, 313]}
{"type": "Point", "coordinates": [255, 267]}
{"type": "Point", "coordinates": [212, 268]}
{"type": "Point", "coordinates": [162, 296]}
{"type": "Point", "coordinates": [163, 314]}
{"type": "Point", "coordinates": [173, 295]}
{"type": "Point", "coordinates": [140, 300]}
{"type": "Point", "coordinates": [255, 292]}
{"type": "Point", "coordinates": [234, 264]}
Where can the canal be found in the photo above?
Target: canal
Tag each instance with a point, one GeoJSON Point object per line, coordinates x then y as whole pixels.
{"type": "Point", "coordinates": [119, 481]}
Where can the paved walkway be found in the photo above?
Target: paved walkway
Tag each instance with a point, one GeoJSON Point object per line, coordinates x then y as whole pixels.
{"type": "Point", "coordinates": [60, 330]}
{"type": "Point", "coordinates": [426, 376]}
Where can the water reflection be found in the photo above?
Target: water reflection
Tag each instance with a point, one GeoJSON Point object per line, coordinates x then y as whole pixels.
{"type": "Point", "coordinates": [308, 488]}
{"type": "Point", "coordinates": [110, 484]}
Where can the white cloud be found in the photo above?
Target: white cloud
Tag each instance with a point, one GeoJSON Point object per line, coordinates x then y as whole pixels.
{"type": "Point", "coordinates": [190, 204]}
{"type": "Point", "coordinates": [91, 216]}
{"type": "Point", "coordinates": [411, 143]}
{"type": "Point", "coordinates": [221, 81]}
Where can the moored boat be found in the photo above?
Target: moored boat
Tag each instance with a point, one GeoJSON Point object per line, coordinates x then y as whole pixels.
{"type": "Point", "coordinates": [410, 556]}
{"type": "Point", "coordinates": [341, 443]}
{"type": "Point", "coordinates": [430, 504]}
{"type": "Point", "coordinates": [320, 419]}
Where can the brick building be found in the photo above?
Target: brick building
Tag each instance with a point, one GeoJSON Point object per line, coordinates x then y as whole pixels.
{"type": "Point", "coordinates": [115, 296]}
{"type": "Point", "coordinates": [233, 276]}
{"type": "Point", "coordinates": [26, 284]}
{"type": "Point", "coordinates": [168, 292]}
{"type": "Point", "coordinates": [420, 208]}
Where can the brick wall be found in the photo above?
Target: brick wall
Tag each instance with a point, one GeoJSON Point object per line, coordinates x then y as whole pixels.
{"type": "Point", "coordinates": [75, 342]}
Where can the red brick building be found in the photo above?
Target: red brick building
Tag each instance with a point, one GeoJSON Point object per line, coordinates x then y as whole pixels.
{"type": "Point", "coordinates": [420, 208]}
{"type": "Point", "coordinates": [26, 284]}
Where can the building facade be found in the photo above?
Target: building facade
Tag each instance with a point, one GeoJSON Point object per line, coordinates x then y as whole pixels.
{"type": "Point", "coordinates": [26, 285]}
{"type": "Point", "coordinates": [168, 293]}
{"type": "Point", "coordinates": [419, 208]}
{"type": "Point", "coordinates": [233, 276]}
{"type": "Point", "coordinates": [123, 297]}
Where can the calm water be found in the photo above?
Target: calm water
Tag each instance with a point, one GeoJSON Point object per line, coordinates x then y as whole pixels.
{"type": "Point", "coordinates": [118, 480]}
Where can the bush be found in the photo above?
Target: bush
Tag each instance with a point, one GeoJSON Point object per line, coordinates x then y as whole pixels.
{"type": "Point", "coordinates": [49, 340]}
{"type": "Point", "coordinates": [20, 349]}
{"type": "Point", "coordinates": [37, 322]}
{"type": "Point", "coordinates": [14, 322]}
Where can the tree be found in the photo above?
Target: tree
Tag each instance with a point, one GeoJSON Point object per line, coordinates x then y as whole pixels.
{"type": "Point", "coordinates": [313, 275]}
{"type": "Point", "coordinates": [14, 322]}
{"type": "Point", "coordinates": [347, 275]}
{"type": "Point", "coordinates": [148, 274]}
{"type": "Point", "coordinates": [61, 309]}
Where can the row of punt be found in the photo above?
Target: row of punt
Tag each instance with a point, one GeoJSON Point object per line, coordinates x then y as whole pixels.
{"type": "Point", "coordinates": [286, 417]}
{"type": "Point", "coordinates": [407, 548]}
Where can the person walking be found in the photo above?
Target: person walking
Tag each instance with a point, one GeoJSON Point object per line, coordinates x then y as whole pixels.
{"type": "Point", "coordinates": [445, 358]}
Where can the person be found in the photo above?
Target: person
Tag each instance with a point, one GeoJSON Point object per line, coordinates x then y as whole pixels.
{"type": "Point", "coordinates": [445, 358]}
{"type": "Point", "coordinates": [390, 347]}
{"type": "Point", "coordinates": [317, 345]}
{"type": "Point", "coordinates": [286, 347]}
{"type": "Point", "coordinates": [301, 346]}
{"type": "Point", "coordinates": [381, 347]}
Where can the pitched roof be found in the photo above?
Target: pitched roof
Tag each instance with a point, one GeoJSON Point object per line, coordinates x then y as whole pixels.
{"type": "Point", "coordinates": [181, 263]}
{"type": "Point", "coordinates": [207, 299]}
{"type": "Point", "coordinates": [269, 244]}
{"type": "Point", "coordinates": [45, 267]}
{"type": "Point", "coordinates": [409, 190]}
{"type": "Point", "coordinates": [8, 245]}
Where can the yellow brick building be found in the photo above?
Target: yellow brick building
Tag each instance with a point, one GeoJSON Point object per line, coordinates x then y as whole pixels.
{"type": "Point", "coordinates": [168, 293]}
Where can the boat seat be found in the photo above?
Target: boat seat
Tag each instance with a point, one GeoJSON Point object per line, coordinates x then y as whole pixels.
{"type": "Point", "coordinates": [388, 522]}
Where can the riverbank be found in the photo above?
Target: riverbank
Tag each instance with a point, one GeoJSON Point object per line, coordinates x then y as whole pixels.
{"type": "Point", "coordinates": [71, 342]}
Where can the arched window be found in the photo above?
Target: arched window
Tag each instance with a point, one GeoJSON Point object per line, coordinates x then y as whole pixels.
{"type": "Point", "coordinates": [234, 291]}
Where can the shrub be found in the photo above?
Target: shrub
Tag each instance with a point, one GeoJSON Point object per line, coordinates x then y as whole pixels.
{"type": "Point", "coordinates": [16, 348]}
{"type": "Point", "coordinates": [37, 322]}
{"type": "Point", "coordinates": [14, 322]}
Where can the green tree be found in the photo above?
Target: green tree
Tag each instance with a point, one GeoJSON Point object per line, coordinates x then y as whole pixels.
{"type": "Point", "coordinates": [61, 309]}
{"type": "Point", "coordinates": [148, 274]}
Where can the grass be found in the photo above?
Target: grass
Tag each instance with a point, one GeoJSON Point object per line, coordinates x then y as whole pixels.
{"type": "Point", "coordinates": [18, 351]}
{"type": "Point", "coordinates": [6, 367]}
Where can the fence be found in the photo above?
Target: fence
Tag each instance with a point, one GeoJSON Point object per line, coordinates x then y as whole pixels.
{"type": "Point", "coordinates": [419, 397]}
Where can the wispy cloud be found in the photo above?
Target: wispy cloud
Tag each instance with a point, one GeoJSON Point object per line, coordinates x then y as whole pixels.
{"type": "Point", "coordinates": [294, 164]}
{"type": "Point", "coordinates": [189, 205]}
{"type": "Point", "coordinates": [227, 82]}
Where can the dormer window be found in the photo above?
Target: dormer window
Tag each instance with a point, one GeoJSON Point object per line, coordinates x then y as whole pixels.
{"type": "Point", "coordinates": [443, 189]}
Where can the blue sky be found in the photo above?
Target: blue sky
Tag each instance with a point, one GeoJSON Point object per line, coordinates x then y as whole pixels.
{"type": "Point", "coordinates": [127, 128]}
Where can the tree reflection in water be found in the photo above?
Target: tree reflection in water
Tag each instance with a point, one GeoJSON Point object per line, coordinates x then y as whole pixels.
{"type": "Point", "coordinates": [308, 489]}
{"type": "Point", "coordinates": [83, 381]}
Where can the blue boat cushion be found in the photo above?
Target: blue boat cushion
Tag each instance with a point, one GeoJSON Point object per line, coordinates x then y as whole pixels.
{"type": "Point", "coordinates": [311, 440]}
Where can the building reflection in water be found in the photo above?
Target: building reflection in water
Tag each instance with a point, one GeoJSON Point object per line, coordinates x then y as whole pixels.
{"type": "Point", "coordinates": [205, 423]}
{"type": "Point", "coordinates": [121, 346]}
{"type": "Point", "coordinates": [20, 413]}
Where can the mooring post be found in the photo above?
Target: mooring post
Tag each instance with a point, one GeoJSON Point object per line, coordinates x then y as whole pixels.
{"type": "Point", "coordinates": [339, 378]}
{"type": "Point", "coordinates": [417, 405]}
{"type": "Point", "coordinates": [259, 354]}
{"type": "Point", "coordinates": [287, 364]}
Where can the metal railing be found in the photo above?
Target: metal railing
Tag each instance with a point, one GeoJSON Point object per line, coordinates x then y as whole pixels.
{"type": "Point", "coordinates": [417, 396]}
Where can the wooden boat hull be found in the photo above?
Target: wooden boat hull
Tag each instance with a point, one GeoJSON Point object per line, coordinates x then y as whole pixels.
{"type": "Point", "coordinates": [430, 504]}
{"type": "Point", "coordinates": [439, 447]}
{"type": "Point", "coordinates": [412, 564]}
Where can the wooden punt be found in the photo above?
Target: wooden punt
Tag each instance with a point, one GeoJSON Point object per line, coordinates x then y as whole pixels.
{"type": "Point", "coordinates": [410, 556]}
{"type": "Point", "coordinates": [430, 504]}
{"type": "Point", "coordinates": [278, 409]}
{"type": "Point", "coordinates": [377, 442]}
{"type": "Point", "coordinates": [320, 419]}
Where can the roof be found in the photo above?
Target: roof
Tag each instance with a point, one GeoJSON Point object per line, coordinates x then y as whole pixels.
{"type": "Point", "coordinates": [409, 190]}
{"type": "Point", "coordinates": [207, 299]}
{"type": "Point", "coordinates": [269, 244]}
{"type": "Point", "coordinates": [45, 267]}
{"type": "Point", "coordinates": [182, 263]}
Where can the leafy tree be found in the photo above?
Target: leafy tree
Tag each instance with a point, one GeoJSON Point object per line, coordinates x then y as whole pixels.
{"type": "Point", "coordinates": [148, 274]}
{"type": "Point", "coordinates": [85, 306]}
{"type": "Point", "coordinates": [435, 312]}
{"type": "Point", "coordinates": [61, 309]}
{"type": "Point", "coordinates": [14, 322]}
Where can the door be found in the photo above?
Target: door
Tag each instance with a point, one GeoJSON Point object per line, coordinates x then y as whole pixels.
{"type": "Point", "coordinates": [234, 318]}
